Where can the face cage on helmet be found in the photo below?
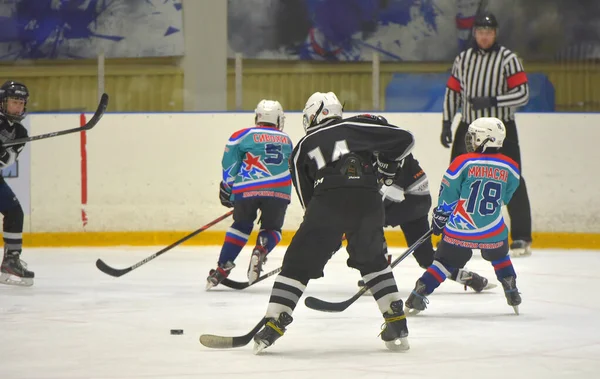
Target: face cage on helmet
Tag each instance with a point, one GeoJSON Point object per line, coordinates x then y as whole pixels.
{"type": "Point", "coordinates": [306, 120]}
{"type": "Point", "coordinates": [4, 108]}
{"type": "Point", "coordinates": [470, 143]}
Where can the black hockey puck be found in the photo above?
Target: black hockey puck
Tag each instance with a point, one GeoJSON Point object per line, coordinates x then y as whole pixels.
{"type": "Point", "coordinates": [176, 332]}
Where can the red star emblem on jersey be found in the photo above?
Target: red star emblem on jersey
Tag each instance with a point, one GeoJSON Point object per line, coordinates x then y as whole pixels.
{"type": "Point", "coordinates": [252, 161]}
{"type": "Point", "coordinates": [460, 210]}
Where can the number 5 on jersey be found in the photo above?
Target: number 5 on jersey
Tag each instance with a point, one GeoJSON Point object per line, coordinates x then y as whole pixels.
{"type": "Point", "coordinates": [274, 154]}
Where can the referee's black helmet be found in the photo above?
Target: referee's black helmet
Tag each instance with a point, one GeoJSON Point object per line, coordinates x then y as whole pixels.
{"type": "Point", "coordinates": [486, 20]}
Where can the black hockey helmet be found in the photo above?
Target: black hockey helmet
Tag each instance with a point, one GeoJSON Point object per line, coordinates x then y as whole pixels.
{"type": "Point", "coordinates": [485, 20]}
{"type": "Point", "coordinates": [13, 90]}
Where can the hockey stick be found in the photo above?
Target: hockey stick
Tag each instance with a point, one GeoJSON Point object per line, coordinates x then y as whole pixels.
{"type": "Point", "coordinates": [220, 342]}
{"type": "Point", "coordinates": [120, 272]}
{"type": "Point", "coordinates": [243, 285]}
{"type": "Point", "coordinates": [90, 124]}
{"type": "Point", "coordinates": [326, 306]}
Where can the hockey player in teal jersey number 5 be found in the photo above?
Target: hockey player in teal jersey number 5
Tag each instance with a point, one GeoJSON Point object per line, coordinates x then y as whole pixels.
{"type": "Point", "coordinates": [469, 213]}
{"type": "Point", "coordinates": [256, 176]}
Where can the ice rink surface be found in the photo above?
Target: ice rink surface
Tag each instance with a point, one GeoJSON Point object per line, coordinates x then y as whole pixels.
{"type": "Point", "coordinates": [77, 322]}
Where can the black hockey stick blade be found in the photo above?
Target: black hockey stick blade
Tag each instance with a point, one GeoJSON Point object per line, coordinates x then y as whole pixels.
{"type": "Point", "coordinates": [116, 272]}
{"type": "Point", "coordinates": [326, 306]}
{"type": "Point", "coordinates": [220, 342]}
{"type": "Point", "coordinates": [102, 266]}
{"type": "Point", "coordinates": [90, 124]}
{"type": "Point", "coordinates": [243, 285]}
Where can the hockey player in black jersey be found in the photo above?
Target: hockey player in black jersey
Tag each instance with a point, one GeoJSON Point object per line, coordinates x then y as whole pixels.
{"type": "Point", "coordinates": [337, 184]}
{"type": "Point", "coordinates": [407, 203]}
{"type": "Point", "coordinates": [13, 105]}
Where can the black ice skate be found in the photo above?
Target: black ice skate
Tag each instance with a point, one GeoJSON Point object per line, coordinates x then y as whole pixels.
{"type": "Point", "coordinates": [395, 332]}
{"type": "Point", "coordinates": [513, 297]}
{"type": "Point", "coordinates": [520, 248]}
{"type": "Point", "coordinates": [417, 301]}
{"type": "Point", "coordinates": [257, 260]}
{"type": "Point", "coordinates": [217, 276]}
{"type": "Point", "coordinates": [14, 271]}
{"type": "Point", "coordinates": [473, 280]}
{"type": "Point", "coordinates": [272, 330]}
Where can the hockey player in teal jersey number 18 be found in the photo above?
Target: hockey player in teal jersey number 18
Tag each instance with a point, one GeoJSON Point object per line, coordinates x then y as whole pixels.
{"type": "Point", "coordinates": [469, 213]}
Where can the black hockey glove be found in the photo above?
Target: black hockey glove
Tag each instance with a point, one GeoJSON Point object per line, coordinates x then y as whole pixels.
{"type": "Point", "coordinates": [225, 195]}
{"type": "Point", "coordinates": [446, 137]}
{"type": "Point", "coordinates": [480, 103]}
{"type": "Point", "coordinates": [387, 170]}
{"type": "Point", "coordinates": [439, 220]}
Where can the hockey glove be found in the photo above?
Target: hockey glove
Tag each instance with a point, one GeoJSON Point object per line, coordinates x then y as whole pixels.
{"type": "Point", "coordinates": [480, 103]}
{"type": "Point", "coordinates": [439, 220]}
{"type": "Point", "coordinates": [446, 137]}
{"type": "Point", "coordinates": [387, 170]}
{"type": "Point", "coordinates": [225, 195]}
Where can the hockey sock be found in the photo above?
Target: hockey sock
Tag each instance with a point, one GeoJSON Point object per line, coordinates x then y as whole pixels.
{"type": "Point", "coordinates": [383, 288]}
{"type": "Point", "coordinates": [285, 295]}
{"type": "Point", "coordinates": [272, 238]}
{"type": "Point", "coordinates": [504, 268]}
{"type": "Point", "coordinates": [235, 240]}
{"type": "Point", "coordinates": [435, 275]}
{"type": "Point", "coordinates": [13, 229]}
{"type": "Point", "coordinates": [13, 242]}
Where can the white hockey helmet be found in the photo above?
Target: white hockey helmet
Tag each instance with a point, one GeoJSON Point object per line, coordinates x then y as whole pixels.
{"type": "Point", "coordinates": [486, 132]}
{"type": "Point", "coordinates": [271, 112]}
{"type": "Point", "coordinates": [331, 108]}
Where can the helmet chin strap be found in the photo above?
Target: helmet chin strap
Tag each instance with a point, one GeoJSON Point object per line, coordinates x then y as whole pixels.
{"type": "Point", "coordinates": [481, 148]}
{"type": "Point", "coordinates": [317, 113]}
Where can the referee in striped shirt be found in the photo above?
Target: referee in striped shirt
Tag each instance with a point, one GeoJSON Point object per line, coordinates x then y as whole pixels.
{"type": "Point", "coordinates": [488, 80]}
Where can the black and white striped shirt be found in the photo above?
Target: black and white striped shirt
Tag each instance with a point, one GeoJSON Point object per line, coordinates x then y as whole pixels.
{"type": "Point", "coordinates": [493, 73]}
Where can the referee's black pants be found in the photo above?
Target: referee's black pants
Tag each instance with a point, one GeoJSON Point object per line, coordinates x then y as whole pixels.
{"type": "Point", "coordinates": [519, 209]}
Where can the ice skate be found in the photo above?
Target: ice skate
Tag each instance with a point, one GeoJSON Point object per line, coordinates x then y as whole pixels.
{"type": "Point", "coordinates": [257, 260]}
{"type": "Point", "coordinates": [271, 332]}
{"type": "Point", "coordinates": [513, 297]}
{"type": "Point", "coordinates": [520, 248]}
{"type": "Point", "coordinates": [395, 332]}
{"type": "Point", "coordinates": [217, 276]}
{"type": "Point", "coordinates": [417, 301]}
{"type": "Point", "coordinates": [473, 280]}
{"type": "Point", "coordinates": [14, 271]}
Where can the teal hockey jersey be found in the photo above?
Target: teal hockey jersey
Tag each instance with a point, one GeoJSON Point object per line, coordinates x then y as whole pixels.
{"type": "Point", "coordinates": [473, 190]}
{"type": "Point", "coordinates": [256, 163]}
